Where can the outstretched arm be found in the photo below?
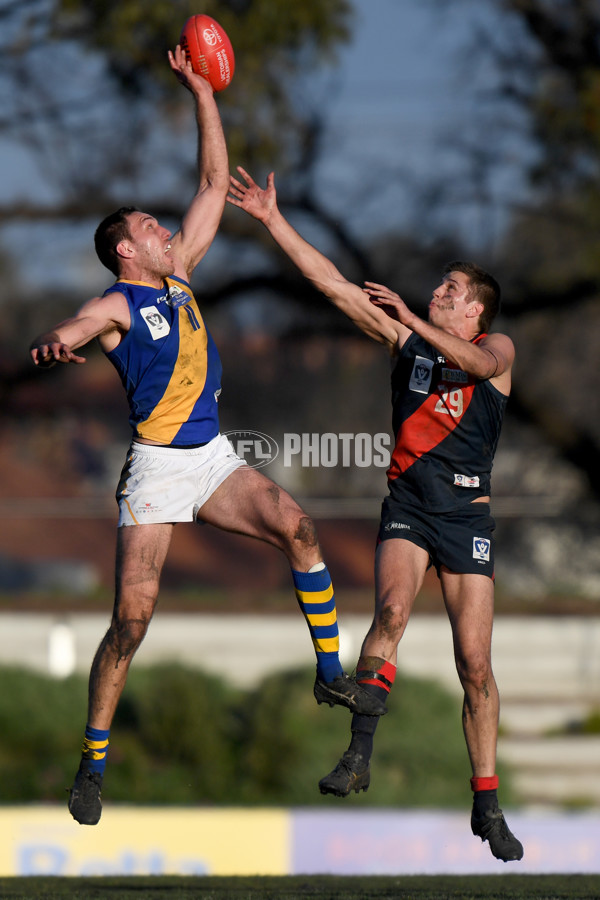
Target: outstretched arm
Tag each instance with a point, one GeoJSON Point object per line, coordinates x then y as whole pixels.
{"type": "Point", "coordinates": [106, 318]}
{"type": "Point", "coordinates": [202, 219]}
{"type": "Point", "coordinates": [348, 297]}
{"type": "Point", "coordinates": [490, 358]}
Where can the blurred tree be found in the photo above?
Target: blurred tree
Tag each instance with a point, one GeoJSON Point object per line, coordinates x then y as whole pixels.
{"type": "Point", "coordinates": [554, 247]}
{"type": "Point", "coordinates": [89, 91]}
{"type": "Point", "coordinates": [546, 56]}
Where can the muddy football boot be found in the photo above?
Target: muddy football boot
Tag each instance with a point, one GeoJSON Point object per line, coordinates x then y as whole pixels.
{"type": "Point", "coordinates": [344, 691]}
{"type": "Point", "coordinates": [352, 773]}
{"type": "Point", "coordinates": [85, 804]}
{"type": "Point", "coordinates": [492, 828]}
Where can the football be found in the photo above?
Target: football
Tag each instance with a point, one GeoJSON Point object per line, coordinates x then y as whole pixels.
{"type": "Point", "coordinates": [209, 50]}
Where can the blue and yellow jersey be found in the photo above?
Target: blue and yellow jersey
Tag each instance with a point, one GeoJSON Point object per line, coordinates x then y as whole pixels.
{"type": "Point", "coordinates": [169, 364]}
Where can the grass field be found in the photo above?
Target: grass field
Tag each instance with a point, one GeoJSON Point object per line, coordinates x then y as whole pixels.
{"type": "Point", "coordinates": [450, 887]}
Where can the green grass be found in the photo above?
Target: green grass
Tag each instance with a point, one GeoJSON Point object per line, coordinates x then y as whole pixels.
{"type": "Point", "coordinates": [328, 887]}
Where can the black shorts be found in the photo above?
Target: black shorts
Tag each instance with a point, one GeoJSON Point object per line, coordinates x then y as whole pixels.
{"type": "Point", "coordinates": [461, 539]}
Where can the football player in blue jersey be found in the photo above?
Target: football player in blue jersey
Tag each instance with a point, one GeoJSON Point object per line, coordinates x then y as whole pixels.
{"type": "Point", "coordinates": [450, 384]}
{"type": "Point", "coordinates": [179, 467]}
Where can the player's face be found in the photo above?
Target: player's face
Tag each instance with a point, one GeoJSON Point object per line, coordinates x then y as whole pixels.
{"type": "Point", "coordinates": [450, 300]}
{"type": "Point", "coordinates": [152, 244]}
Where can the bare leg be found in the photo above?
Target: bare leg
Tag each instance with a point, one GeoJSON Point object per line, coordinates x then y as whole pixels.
{"type": "Point", "coordinates": [249, 503]}
{"type": "Point", "coordinates": [469, 601]}
{"type": "Point", "coordinates": [400, 567]}
{"type": "Point", "coordinates": [141, 552]}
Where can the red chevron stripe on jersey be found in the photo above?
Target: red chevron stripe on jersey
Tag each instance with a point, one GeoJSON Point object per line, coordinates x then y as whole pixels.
{"type": "Point", "coordinates": [434, 420]}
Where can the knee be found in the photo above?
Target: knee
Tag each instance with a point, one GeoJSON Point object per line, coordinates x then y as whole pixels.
{"type": "Point", "coordinates": [305, 532]}
{"type": "Point", "coordinates": [299, 535]}
{"type": "Point", "coordinates": [390, 618]}
{"type": "Point", "coordinates": [475, 671]}
{"type": "Point", "coordinates": [125, 636]}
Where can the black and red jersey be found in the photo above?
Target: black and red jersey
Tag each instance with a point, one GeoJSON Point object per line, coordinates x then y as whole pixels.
{"type": "Point", "coordinates": [446, 427]}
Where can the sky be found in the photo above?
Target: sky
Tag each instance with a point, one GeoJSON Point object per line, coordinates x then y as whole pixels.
{"type": "Point", "coordinates": [397, 105]}
{"type": "Point", "coordinates": [409, 93]}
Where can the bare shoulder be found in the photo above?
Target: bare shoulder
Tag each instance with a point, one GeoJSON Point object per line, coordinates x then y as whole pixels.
{"type": "Point", "coordinates": [502, 349]}
{"type": "Point", "coordinates": [501, 344]}
{"type": "Point", "coordinates": [111, 309]}
{"type": "Point", "coordinates": [107, 318]}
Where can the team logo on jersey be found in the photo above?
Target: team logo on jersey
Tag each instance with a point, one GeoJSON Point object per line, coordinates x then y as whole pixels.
{"type": "Point", "coordinates": [420, 380]}
{"type": "Point", "coordinates": [157, 324]}
{"type": "Point", "coordinates": [177, 297]}
{"type": "Point", "coordinates": [481, 549]}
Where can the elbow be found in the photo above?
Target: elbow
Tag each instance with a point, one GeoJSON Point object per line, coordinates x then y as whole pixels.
{"type": "Point", "coordinates": [216, 181]}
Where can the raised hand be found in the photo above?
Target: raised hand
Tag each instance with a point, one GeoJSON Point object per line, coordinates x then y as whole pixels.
{"type": "Point", "coordinates": [388, 300]}
{"type": "Point", "coordinates": [257, 202]}
{"type": "Point", "coordinates": [184, 73]}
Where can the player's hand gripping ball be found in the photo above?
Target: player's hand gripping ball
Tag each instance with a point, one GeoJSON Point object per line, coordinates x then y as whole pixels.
{"type": "Point", "coordinates": [209, 50]}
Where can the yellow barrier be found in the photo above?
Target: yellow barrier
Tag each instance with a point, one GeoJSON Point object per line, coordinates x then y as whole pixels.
{"type": "Point", "coordinates": [145, 841]}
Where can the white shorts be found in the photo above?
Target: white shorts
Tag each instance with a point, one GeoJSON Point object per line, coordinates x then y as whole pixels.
{"type": "Point", "coordinates": [163, 484]}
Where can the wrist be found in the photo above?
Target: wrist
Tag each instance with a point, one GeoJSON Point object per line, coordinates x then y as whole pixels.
{"type": "Point", "coordinates": [411, 321]}
{"type": "Point", "coordinates": [273, 219]}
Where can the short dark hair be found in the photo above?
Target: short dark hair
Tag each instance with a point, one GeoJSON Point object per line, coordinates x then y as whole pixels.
{"type": "Point", "coordinates": [109, 233]}
{"type": "Point", "coordinates": [483, 286]}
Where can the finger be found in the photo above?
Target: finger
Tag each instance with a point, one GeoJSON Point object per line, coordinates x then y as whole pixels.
{"type": "Point", "coordinates": [236, 184]}
{"type": "Point", "coordinates": [246, 176]}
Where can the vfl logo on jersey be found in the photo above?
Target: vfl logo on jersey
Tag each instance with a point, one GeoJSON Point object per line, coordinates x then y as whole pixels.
{"type": "Point", "coordinates": [481, 549]}
{"type": "Point", "coordinates": [420, 380]}
{"type": "Point", "coordinates": [157, 324]}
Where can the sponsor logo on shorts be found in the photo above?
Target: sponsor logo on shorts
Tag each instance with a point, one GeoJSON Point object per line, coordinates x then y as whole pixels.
{"type": "Point", "coordinates": [146, 509]}
{"type": "Point", "coordinates": [481, 549]}
{"type": "Point", "coordinates": [255, 448]}
{"type": "Point", "coordinates": [396, 526]}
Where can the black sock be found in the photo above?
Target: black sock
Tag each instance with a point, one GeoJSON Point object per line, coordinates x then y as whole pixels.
{"type": "Point", "coordinates": [484, 800]}
{"type": "Point", "coordinates": [363, 727]}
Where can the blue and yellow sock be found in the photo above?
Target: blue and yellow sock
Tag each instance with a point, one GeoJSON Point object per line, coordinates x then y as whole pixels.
{"type": "Point", "coordinates": [317, 602]}
{"type": "Point", "coordinates": [94, 750]}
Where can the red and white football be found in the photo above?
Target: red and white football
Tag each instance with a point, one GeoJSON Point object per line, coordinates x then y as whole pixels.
{"type": "Point", "coordinates": [209, 50]}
